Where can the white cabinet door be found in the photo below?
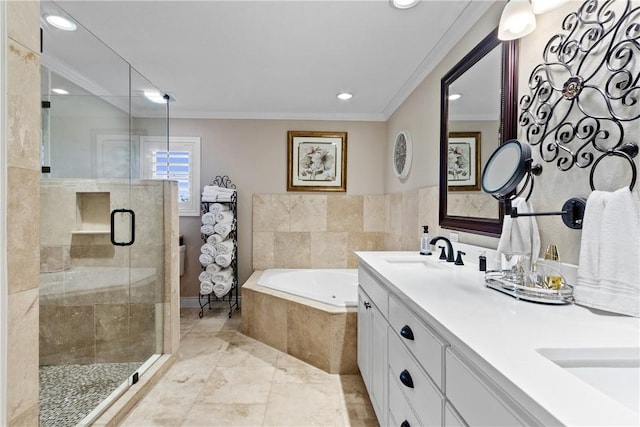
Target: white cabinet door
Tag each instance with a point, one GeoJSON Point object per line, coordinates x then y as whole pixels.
{"type": "Point", "coordinates": [372, 352]}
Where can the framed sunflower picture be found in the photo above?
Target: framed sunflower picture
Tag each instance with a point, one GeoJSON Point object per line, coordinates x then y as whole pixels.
{"type": "Point", "coordinates": [317, 161]}
{"type": "Point", "coordinates": [463, 161]}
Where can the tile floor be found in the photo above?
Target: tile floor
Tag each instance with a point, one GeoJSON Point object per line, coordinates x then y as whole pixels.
{"type": "Point", "coordinates": [224, 378]}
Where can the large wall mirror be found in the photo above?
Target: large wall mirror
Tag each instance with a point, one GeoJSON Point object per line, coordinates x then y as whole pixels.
{"type": "Point", "coordinates": [479, 111]}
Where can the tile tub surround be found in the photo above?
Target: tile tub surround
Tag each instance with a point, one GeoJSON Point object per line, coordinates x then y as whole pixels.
{"type": "Point", "coordinates": [319, 334]}
{"type": "Point", "coordinates": [224, 378]}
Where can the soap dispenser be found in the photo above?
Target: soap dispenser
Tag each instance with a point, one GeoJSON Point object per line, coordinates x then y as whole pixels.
{"type": "Point", "coordinates": [425, 246]}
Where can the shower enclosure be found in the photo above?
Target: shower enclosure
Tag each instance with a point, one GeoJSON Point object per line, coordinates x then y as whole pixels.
{"type": "Point", "coordinates": [102, 227]}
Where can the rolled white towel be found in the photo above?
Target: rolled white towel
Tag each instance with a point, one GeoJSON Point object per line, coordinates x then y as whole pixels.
{"type": "Point", "coordinates": [224, 247]}
{"type": "Point", "coordinates": [222, 276]}
{"type": "Point", "coordinates": [206, 259]}
{"type": "Point", "coordinates": [206, 276]}
{"type": "Point", "coordinates": [214, 238]}
{"type": "Point", "coordinates": [208, 218]}
{"type": "Point", "coordinates": [224, 260]}
{"type": "Point", "coordinates": [224, 228]}
{"type": "Point", "coordinates": [206, 288]}
{"type": "Point", "coordinates": [216, 208]}
{"type": "Point", "coordinates": [224, 216]}
{"type": "Point", "coordinates": [207, 229]}
{"type": "Point", "coordinates": [212, 268]}
{"type": "Point", "coordinates": [209, 249]}
{"type": "Point", "coordinates": [220, 289]}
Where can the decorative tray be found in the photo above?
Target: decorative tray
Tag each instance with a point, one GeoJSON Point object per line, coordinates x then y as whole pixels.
{"type": "Point", "coordinates": [496, 280]}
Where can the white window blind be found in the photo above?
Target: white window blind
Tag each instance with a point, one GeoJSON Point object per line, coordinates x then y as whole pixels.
{"type": "Point", "coordinates": [180, 162]}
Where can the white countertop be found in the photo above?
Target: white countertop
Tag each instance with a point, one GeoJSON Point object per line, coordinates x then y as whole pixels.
{"type": "Point", "coordinates": [505, 334]}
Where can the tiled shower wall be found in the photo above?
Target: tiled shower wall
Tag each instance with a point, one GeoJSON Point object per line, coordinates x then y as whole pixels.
{"type": "Point", "coordinates": [323, 231]}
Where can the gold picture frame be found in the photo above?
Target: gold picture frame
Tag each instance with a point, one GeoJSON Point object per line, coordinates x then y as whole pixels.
{"type": "Point", "coordinates": [317, 161]}
{"type": "Point", "coordinates": [463, 161]}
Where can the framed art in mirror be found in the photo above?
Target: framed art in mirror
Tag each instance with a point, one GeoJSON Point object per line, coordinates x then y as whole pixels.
{"type": "Point", "coordinates": [463, 161]}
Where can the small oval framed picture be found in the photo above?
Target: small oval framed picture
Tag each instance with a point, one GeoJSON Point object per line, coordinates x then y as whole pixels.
{"type": "Point", "coordinates": [402, 154]}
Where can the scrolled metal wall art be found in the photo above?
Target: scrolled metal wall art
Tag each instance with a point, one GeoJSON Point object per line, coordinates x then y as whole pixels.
{"type": "Point", "coordinates": [587, 88]}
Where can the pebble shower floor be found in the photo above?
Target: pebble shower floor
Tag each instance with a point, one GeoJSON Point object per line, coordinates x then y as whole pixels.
{"type": "Point", "coordinates": [68, 393]}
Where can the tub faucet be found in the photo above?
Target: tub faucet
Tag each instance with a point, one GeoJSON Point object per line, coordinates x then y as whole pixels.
{"type": "Point", "coordinates": [449, 247]}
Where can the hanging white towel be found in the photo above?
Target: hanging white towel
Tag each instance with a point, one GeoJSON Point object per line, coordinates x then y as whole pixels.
{"type": "Point", "coordinates": [216, 208]}
{"type": "Point", "coordinates": [225, 247]}
{"type": "Point", "coordinates": [206, 288]}
{"type": "Point", "coordinates": [223, 229]}
{"type": "Point", "coordinates": [224, 216]}
{"type": "Point", "coordinates": [609, 266]}
{"type": "Point", "coordinates": [208, 218]}
{"type": "Point", "coordinates": [220, 289]}
{"type": "Point", "coordinates": [209, 249]}
{"type": "Point", "coordinates": [520, 234]}
{"type": "Point", "coordinates": [206, 259]}
{"type": "Point", "coordinates": [214, 238]}
{"type": "Point", "coordinates": [224, 260]}
{"type": "Point", "coordinates": [207, 229]}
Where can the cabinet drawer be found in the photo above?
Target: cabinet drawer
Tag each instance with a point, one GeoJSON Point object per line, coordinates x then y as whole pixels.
{"type": "Point", "coordinates": [375, 291]}
{"type": "Point", "coordinates": [424, 397]}
{"type": "Point", "coordinates": [399, 410]}
{"type": "Point", "coordinates": [425, 346]}
{"type": "Point", "coordinates": [474, 400]}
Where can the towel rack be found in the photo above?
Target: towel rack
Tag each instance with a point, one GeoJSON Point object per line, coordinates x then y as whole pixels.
{"type": "Point", "coordinates": [626, 151]}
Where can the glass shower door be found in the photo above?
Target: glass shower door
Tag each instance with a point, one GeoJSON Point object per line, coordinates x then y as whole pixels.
{"type": "Point", "coordinates": [102, 229]}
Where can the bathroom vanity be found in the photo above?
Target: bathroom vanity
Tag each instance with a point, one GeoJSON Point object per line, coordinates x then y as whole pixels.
{"type": "Point", "coordinates": [436, 347]}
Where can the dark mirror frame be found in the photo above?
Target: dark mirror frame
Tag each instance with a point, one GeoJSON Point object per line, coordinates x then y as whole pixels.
{"type": "Point", "coordinates": [508, 127]}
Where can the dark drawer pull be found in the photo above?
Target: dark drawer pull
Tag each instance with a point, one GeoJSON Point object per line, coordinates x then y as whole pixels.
{"type": "Point", "coordinates": [406, 332]}
{"type": "Point", "coordinates": [367, 305]}
{"type": "Point", "coordinates": [405, 423]}
{"type": "Point", "coordinates": [406, 379]}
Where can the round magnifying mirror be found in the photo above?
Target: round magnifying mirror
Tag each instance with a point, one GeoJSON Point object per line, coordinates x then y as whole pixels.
{"type": "Point", "coordinates": [505, 168]}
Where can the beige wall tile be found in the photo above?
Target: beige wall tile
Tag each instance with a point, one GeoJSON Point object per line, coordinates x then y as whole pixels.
{"type": "Point", "coordinates": [271, 212]}
{"type": "Point", "coordinates": [374, 211]}
{"type": "Point", "coordinates": [428, 213]}
{"type": "Point", "coordinates": [142, 331]}
{"type": "Point", "coordinates": [27, 418]}
{"type": "Point", "coordinates": [263, 250]}
{"type": "Point", "coordinates": [54, 258]}
{"type": "Point", "coordinates": [23, 106]}
{"type": "Point", "coordinates": [67, 334]}
{"type": "Point", "coordinates": [345, 213]}
{"type": "Point", "coordinates": [343, 343]}
{"type": "Point", "coordinates": [23, 237]}
{"type": "Point", "coordinates": [112, 332]}
{"type": "Point", "coordinates": [292, 250]}
{"type": "Point", "coordinates": [264, 317]}
{"type": "Point", "coordinates": [308, 213]}
{"type": "Point", "coordinates": [22, 359]}
{"type": "Point", "coordinates": [362, 242]}
{"type": "Point", "coordinates": [23, 22]}
{"type": "Point", "coordinates": [411, 230]}
{"type": "Point", "coordinates": [328, 250]}
{"type": "Point", "coordinates": [59, 202]}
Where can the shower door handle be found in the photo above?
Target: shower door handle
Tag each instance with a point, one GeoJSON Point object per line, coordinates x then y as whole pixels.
{"type": "Point", "coordinates": [132, 215]}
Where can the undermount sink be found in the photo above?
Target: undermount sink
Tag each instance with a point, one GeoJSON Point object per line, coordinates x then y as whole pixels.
{"type": "Point", "coordinates": [613, 371]}
{"type": "Point", "coordinates": [418, 261]}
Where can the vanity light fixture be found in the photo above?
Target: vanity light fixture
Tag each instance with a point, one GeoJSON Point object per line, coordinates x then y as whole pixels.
{"type": "Point", "coordinates": [61, 23]}
{"type": "Point", "coordinates": [455, 96]}
{"type": "Point", "coordinates": [517, 20]}
{"type": "Point", "coordinates": [403, 4]}
{"type": "Point", "coordinates": [543, 6]}
{"type": "Point", "coordinates": [344, 96]}
{"type": "Point", "coordinates": [60, 91]}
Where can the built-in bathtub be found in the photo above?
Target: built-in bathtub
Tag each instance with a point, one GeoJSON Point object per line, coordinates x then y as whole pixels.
{"type": "Point", "coordinates": [309, 314]}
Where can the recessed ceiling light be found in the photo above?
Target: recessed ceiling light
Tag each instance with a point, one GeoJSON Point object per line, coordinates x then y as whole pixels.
{"type": "Point", "coordinates": [155, 96]}
{"type": "Point", "coordinates": [60, 91]}
{"type": "Point", "coordinates": [455, 96]}
{"type": "Point", "coordinates": [61, 23]}
{"type": "Point", "coordinates": [344, 96]}
{"type": "Point", "coordinates": [403, 4]}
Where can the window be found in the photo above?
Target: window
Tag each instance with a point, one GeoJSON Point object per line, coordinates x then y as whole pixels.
{"type": "Point", "coordinates": [181, 162]}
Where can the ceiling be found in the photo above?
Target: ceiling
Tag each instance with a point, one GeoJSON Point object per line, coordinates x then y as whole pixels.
{"type": "Point", "coordinates": [263, 59]}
